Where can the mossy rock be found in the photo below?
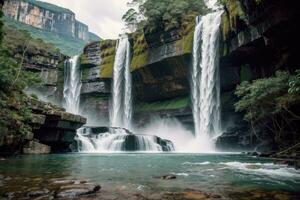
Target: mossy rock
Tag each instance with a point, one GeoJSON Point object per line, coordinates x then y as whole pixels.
{"type": "Point", "coordinates": [178, 103]}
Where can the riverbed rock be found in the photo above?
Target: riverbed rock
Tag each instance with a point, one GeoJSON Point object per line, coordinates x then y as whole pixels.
{"type": "Point", "coordinates": [168, 177]}
{"type": "Point", "coordinates": [38, 193]}
{"type": "Point", "coordinates": [34, 147]}
{"type": "Point", "coordinates": [72, 191]}
{"type": "Point", "coordinates": [190, 195]}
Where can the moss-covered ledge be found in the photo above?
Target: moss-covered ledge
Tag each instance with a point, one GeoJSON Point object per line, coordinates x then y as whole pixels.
{"type": "Point", "coordinates": [100, 55]}
{"type": "Point", "coordinates": [143, 55]}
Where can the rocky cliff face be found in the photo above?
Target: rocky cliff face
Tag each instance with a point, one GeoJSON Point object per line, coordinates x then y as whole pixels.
{"type": "Point", "coordinates": [47, 17]}
{"type": "Point", "coordinates": [160, 74]}
{"type": "Point", "coordinates": [43, 59]}
{"type": "Point", "coordinates": [259, 38]}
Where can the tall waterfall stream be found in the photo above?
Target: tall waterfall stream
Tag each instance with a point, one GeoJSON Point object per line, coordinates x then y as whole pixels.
{"type": "Point", "coordinates": [205, 78]}
{"type": "Point", "coordinates": [72, 85]}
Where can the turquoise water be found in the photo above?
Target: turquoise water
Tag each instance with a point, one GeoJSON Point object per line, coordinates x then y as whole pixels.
{"type": "Point", "coordinates": [224, 174]}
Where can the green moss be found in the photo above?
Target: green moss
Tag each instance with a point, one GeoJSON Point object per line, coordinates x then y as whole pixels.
{"type": "Point", "coordinates": [225, 26]}
{"type": "Point", "coordinates": [246, 73]}
{"type": "Point", "coordinates": [186, 43]}
{"type": "Point", "coordinates": [139, 61]}
{"type": "Point", "coordinates": [164, 105]}
{"type": "Point", "coordinates": [107, 67]}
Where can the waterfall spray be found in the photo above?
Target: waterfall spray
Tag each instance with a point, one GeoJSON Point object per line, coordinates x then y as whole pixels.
{"type": "Point", "coordinates": [72, 85]}
{"type": "Point", "coordinates": [205, 77]}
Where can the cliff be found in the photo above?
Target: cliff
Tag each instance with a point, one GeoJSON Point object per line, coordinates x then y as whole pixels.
{"type": "Point", "coordinates": [46, 16]}
{"type": "Point", "coordinates": [29, 125]}
{"type": "Point", "coordinates": [258, 38]}
{"type": "Point", "coordinates": [41, 58]}
{"type": "Point", "coordinates": [50, 23]}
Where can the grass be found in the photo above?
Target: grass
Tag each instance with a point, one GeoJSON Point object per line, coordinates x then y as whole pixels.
{"type": "Point", "coordinates": [67, 45]}
{"type": "Point", "coordinates": [16, 39]}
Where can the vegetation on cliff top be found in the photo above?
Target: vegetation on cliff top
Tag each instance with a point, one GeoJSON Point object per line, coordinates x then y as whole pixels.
{"type": "Point", "coordinates": [271, 104]}
{"type": "Point", "coordinates": [67, 45]}
{"type": "Point", "coordinates": [15, 112]}
{"type": "Point", "coordinates": [153, 15]}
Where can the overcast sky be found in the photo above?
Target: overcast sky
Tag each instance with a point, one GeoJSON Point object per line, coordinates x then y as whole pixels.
{"type": "Point", "coordinates": [104, 17]}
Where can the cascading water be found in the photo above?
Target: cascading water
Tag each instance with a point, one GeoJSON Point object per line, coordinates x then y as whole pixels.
{"type": "Point", "coordinates": [118, 139]}
{"type": "Point", "coordinates": [121, 94]}
{"type": "Point", "coordinates": [72, 85]}
{"type": "Point", "coordinates": [205, 77]}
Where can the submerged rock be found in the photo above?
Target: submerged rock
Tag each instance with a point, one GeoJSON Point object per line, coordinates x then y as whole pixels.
{"type": "Point", "coordinates": [71, 191]}
{"type": "Point", "coordinates": [167, 177]}
{"type": "Point", "coordinates": [38, 193]}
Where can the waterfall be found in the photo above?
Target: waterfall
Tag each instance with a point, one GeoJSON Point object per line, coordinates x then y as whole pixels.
{"type": "Point", "coordinates": [118, 139]}
{"type": "Point", "coordinates": [72, 85]}
{"type": "Point", "coordinates": [121, 109]}
{"type": "Point", "coordinates": [205, 76]}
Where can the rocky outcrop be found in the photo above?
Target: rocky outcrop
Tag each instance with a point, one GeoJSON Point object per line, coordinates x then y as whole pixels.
{"type": "Point", "coordinates": [46, 16]}
{"type": "Point", "coordinates": [258, 38]}
{"type": "Point", "coordinates": [53, 130]}
{"type": "Point", "coordinates": [96, 65]}
{"type": "Point", "coordinates": [58, 129]}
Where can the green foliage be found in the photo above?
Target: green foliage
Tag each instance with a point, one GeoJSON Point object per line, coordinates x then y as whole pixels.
{"type": "Point", "coordinates": [163, 15]}
{"type": "Point", "coordinates": [1, 26]}
{"type": "Point", "coordinates": [268, 102]}
{"type": "Point", "coordinates": [15, 112]}
{"type": "Point", "coordinates": [260, 98]}
{"type": "Point", "coordinates": [67, 45]}
{"type": "Point", "coordinates": [131, 19]}
{"type": "Point", "coordinates": [295, 83]}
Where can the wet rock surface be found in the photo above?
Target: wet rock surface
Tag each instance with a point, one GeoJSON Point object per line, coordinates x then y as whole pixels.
{"type": "Point", "coordinates": [43, 188]}
{"type": "Point", "coordinates": [40, 188]}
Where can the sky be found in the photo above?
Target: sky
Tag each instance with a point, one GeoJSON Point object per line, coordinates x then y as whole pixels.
{"type": "Point", "coordinates": [104, 17]}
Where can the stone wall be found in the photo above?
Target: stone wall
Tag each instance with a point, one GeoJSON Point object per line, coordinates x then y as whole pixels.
{"type": "Point", "coordinates": [51, 18]}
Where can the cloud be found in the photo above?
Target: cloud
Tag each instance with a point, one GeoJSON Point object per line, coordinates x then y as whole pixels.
{"type": "Point", "coordinates": [104, 17]}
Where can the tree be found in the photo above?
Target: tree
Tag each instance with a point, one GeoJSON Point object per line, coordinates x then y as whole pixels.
{"type": "Point", "coordinates": [131, 19]}
{"type": "Point", "coordinates": [167, 14]}
{"type": "Point", "coordinates": [268, 103]}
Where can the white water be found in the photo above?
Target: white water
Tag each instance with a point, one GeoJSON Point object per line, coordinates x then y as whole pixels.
{"type": "Point", "coordinates": [205, 78]}
{"type": "Point", "coordinates": [121, 108]}
{"type": "Point", "coordinates": [115, 141]}
{"type": "Point", "coordinates": [72, 85]}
